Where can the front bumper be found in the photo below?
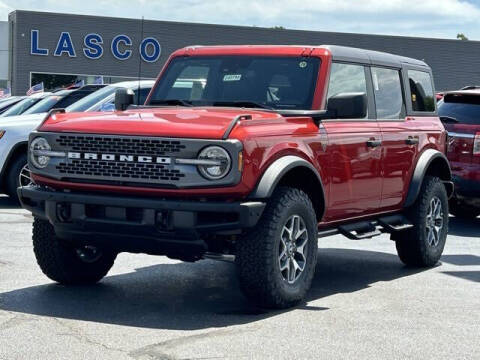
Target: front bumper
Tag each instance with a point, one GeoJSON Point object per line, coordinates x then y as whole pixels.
{"type": "Point", "coordinates": [137, 224]}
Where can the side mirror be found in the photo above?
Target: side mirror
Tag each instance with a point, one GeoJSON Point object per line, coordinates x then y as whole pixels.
{"type": "Point", "coordinates": [123, 99]}
{"type": "Point", "coordinates": [348, 105]}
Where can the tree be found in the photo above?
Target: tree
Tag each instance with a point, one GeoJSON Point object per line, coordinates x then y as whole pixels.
{"type": "Point", "coordinates": [277, 27]}
{"type": "Point", "coordinates": [461, 36]}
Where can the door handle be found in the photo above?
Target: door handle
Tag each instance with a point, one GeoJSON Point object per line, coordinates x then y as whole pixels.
{"type": "Point", "coordinates": [412, 140]}
{"type": "Point", "coordinates": [374, 143]}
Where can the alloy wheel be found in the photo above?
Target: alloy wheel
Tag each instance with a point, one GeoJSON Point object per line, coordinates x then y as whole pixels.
{"type": "Point", "coordinates": [292, 252]}
{"type": "Point", "coordinates": [434, 221]}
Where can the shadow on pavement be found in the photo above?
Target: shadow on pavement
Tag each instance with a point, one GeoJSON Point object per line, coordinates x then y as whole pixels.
{"type": "Point", "coordinates": [187, 296]}
{"type": "Point", "coordinates": [6, 203]}
{"type": "Point", "coordinates": [464, 227]}
{"type": "Point", "coordinates": [461, 259]}
{"type": "Point", "coordinates": [466, 275]}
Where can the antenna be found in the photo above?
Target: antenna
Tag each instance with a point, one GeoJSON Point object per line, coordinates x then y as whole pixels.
{"type": "Point", "coordinates": [140, 63]}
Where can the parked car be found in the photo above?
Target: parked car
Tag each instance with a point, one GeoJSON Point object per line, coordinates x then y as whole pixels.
{"type": "Point", "coordinates": [103, 99]}
{"type": "Point", "coordinates": [259, 152]}
{"type": "Point", "coordinates": [13, 145]}
{"type": "Point", "coordinates": [7, 103]}
{"type": "Point", "coordinates": [59, 100]}
{"type": "Point", "coordinates": [460, 113]}
{"type": "Point", "coordinates": [25, 104]}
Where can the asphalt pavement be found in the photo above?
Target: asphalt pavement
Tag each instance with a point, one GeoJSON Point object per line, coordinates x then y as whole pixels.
{"type": "Point", "coordinates": [364, 304]}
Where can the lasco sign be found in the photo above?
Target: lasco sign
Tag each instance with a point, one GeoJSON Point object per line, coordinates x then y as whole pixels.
{"type": "Point", "coordinates": [93, 47]}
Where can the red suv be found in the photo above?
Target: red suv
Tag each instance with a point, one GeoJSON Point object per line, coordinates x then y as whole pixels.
{"type": "Point", "coordinates": [460, 113]}
{"type": "Point", "coordinates": [246, 152]}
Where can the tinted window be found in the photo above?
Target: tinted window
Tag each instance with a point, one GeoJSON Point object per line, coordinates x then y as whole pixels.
{"type": "Point", "coordinates": [71, 99]}
{"type": "Point", "coordinates": [464, 108]}
{"type": "Point", "coordinates": [278, 82]}
{"type": "Point", "coordinates": [346, 78]}
{"type": "Point", "coordinates": [44, 105]}
{"type": "Point", "coordinates": [88, 101]}
{"type": "Point", "coordinates": [421, 88]}
{"type": "Point", "coordinates": [388, 93]}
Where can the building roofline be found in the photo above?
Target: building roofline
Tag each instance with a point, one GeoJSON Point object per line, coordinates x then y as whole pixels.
{"type": "Point", "coordinates": [256, 27]}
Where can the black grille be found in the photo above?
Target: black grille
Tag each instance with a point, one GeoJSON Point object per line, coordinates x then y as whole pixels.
{"type": "Point", "coordinates": [119, 145]}
{"type": "Point", "coordinates": [115, 169]}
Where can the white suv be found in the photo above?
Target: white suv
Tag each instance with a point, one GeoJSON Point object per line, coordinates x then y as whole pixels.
{"type": "Point", "coordinates": [14, 131]}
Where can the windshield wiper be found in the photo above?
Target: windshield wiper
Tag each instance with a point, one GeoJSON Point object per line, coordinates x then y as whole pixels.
{"type": "Point", "coordinates": [173, 102]}
{"type": "Point", "coordinates": [448, 119]}
{"type": "Point", "coordinates": [251, 104]}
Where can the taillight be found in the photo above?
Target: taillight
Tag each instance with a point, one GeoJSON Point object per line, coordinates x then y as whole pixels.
{"type": "Point", "coordinates": [476, 145]}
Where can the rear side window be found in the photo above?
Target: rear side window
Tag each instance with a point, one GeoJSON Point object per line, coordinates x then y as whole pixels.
{"type": "Point", "coordinates": [464, 108]}
{"type": "Point", "coordinates": [421, 88]}
{"type": "Point", "coordinates": [388, 93]}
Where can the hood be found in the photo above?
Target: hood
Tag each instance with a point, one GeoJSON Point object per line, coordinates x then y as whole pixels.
{"type": "Point", "coordinates": [21, 121]}
{"type": "Point", "coordinates": [197, 122]}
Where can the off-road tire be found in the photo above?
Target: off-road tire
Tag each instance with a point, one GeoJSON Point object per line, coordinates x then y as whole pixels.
{"type": "Point", "coordinates": [61, 263]}
{"type": "Point", "coordinates": [463, 211]}
{"type": "Point", "coordinates": [257, 252]}
{"type": "Point", "coordinates": [12, 182]}
{"type": "Point", "coordinates": [412, 245]}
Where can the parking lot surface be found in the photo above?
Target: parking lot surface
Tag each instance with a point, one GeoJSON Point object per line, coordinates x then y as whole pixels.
{"type": "Point", "coordinates": [363, 304]}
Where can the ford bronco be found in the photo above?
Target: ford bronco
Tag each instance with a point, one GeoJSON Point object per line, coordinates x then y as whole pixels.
{"type": "Point", "coordinates": [249, 153]}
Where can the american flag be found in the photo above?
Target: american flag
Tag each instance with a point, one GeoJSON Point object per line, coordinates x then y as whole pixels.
{"type": "Point", "coordinates": [77, 84]}
{"type": "Point", "coordinates": [35, 89]}
{"type": "Point", "coordinates": [4, 93]}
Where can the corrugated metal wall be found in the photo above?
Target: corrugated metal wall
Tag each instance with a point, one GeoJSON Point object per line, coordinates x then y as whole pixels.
{"type": "Point", "coordinates": [455, 63]}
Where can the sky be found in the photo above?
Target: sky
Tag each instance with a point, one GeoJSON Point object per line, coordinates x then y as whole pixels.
{"type": "Point", "coordinates": [424, 18]}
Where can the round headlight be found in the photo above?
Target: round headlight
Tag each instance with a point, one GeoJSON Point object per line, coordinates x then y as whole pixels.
{"type": "Point", "coordinates": [220, 162]}
{"type": "Point", "coordinates": [39, 144]}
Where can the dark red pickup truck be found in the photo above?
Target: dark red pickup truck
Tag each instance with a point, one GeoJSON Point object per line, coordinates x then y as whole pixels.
{"type": "Point", "coordinates": [251, 152]}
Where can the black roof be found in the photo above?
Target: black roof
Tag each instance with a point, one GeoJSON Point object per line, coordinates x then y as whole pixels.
{"type": "Point", "coordinates": [351, 54]}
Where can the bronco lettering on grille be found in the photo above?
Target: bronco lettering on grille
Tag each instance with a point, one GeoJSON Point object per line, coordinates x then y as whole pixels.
{"type": "Point", "coordinates": [120, 158]}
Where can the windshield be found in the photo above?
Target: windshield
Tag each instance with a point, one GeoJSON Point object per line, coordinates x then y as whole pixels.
{"type": "Point", "coordinates": [88, 101]}
{"type": "Point", "coordinates": [246, 81]}
{"type": "Point", "coordinates": [20, 107]}
{"type": "Point", "coordinates": [464, 110]}
{"type": "Point", "coordinates": [7, 102]}
{"type": "Point", "coordinates": [44, 105]}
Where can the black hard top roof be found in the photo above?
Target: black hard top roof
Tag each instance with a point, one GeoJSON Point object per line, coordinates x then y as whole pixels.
{"type": "Point", "coordinates": [351, 54]}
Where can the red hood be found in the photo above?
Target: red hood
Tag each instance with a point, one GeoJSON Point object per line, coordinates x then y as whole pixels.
{"type": "Point", "coordinates": [199, 122]}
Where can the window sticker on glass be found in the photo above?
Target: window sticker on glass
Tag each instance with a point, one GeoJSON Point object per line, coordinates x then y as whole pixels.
{"type": "Point", "coordinates": [232, 77]}
{"type": "Point", "coordinates": [302, 64]}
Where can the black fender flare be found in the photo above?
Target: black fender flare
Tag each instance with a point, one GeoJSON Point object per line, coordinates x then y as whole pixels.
{"type": "Point", "coordinates": [423, 163]}
{"type": "Point", "coordinates": [274, 173]}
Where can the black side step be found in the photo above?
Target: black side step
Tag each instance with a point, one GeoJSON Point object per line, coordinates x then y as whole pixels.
{"type": "Point", "coordinates": [394, 223]}
{"type": "Point", "coordinates": [369, 228]}
{"type": "Point", "coordinates": [360, 230]}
